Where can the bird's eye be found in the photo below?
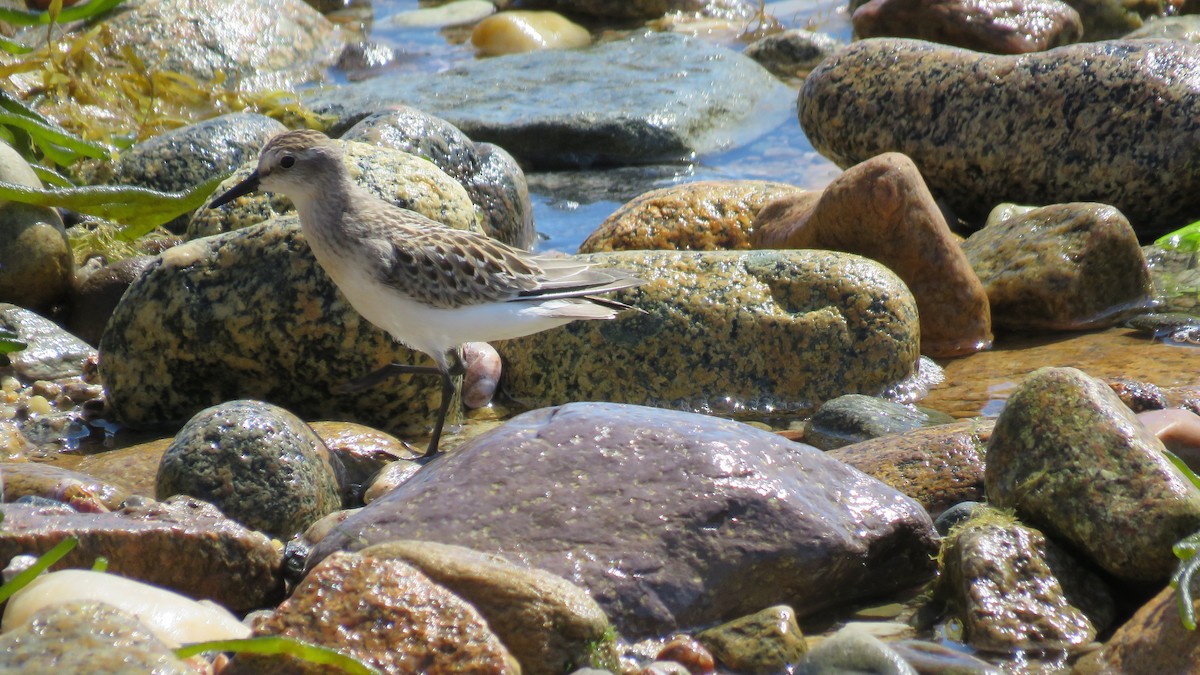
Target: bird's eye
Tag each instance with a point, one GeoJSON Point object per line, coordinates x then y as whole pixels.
{"type": "Point", "coordinates": [287, 161]}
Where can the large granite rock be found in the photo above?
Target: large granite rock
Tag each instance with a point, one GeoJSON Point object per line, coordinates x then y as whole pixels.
{"type": "Point", "coordinates": [668, 519]}
{"type": "Point", "coordinates": [1114, 122]}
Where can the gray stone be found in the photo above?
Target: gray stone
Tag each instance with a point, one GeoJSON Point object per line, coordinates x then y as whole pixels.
{"type": "Point", "coordinates": [642, 9]}
{"type": "Point", "coordinates": [182, 544]}
{"type": "Point", "coordinates": [490, 175]}
{"type": "Point", "coordinates": [657, 97]}
{"type": "Point", "coordinates": [855, 418]}
{"type": "Point", "coordinates": [851, 651]}
{"type": "Point", "coordinates": [94, 299]}
{"type": "Point", "coordinates": [54, 482]}
{"type": "Point", "coordinates": [792, 53]}
{"type": "Point", "coordinates": [740, 333]}
{"type": "Point", "coordinates": [258, 463]}
{"type": "Point", "coordinates": [36, 263]}
{"type": "Point", "coordinates": [51, 353]}
{"type": "Point", "coordinates": [1060, 267]}
{"type": "Point", "coordinates": [995, 26]}
{"type": "Point", "coordinates": [1074, 462]}
{"type": "Point", "coordinates": [86, 638]}
{"type": "Point", "coordinates": [1185, 27]}
{"type": "Point", "coordinates": [668, 519]}
{"type": "Point", "coordinates": [1062, 139]}
{"type": "Point", "coordinates": [766, 642]}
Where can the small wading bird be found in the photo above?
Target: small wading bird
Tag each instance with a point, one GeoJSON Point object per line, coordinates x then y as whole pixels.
{"type": "Point", "coordinates": [430, 286]}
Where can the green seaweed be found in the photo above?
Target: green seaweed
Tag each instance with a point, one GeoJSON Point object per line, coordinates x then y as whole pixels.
{"type": "Point", "coordinates": [276, 644]}
{"type": "Point", "coordinates": [1185, 549]}
{"type": "Point", "coordinates": [10, 342]}
{"type": "Point", "coordinates": [1185, 240]}
{"type": "Point", "coordinates": [43, 563]}
{"type": "Point", "coordinates": [76, 13]}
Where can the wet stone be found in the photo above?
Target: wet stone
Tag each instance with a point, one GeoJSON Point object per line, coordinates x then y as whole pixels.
{"type": "Point", "coordinates": [258, 463]}
{"type": "Point", "coordinates": [135, 467]}
{"type": "Point", "coordinates": [492, 178]}
{"type": "Point", "coordinates": [792, 53]}
{"type": "Point", "coordinates": [52, 482]}
{"type": "Point", "coordinates": [700, 216]}
{"type": "Point", "coordinates": [362, 452]}
{"type": "Point", "coordinates": [645, 9]}
{"type": "Point", "coordinates": [1153, 640]}
{"type": "Point", "coordinates": [853, 651]}
{"type": "Point", "coordinates": [1072, 460]}
{"type": "Point", "coordinates": [51, 352]}
{"type": "Point", "coordinates": [994, 26]}
{"type": "Point", "coordinates": [854, 418]}
{"type": "Point", "coordinates": [384, 613]}
{"type": "Point", "coordinates": [1060, 267]}
{"type": "Point", "coordinates": [938, 466]}
{"type": "Point", "coordinates": [86, 638]}
{"type": "Point", "coordinates": [764, 642]}
{"type": "Point", "coordinates": [668, 519]}
{"type": "Point", "coordinates": [94, 299]}
{"type": "Point", "coordinates": [877, 95]}
{"type": "Point", "coordinates": [210, 556]}
{"type": "Point", "coordinates": [775, 331]}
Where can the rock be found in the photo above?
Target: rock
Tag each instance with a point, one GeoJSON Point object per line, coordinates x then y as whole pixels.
{"type": "Point", "coordinates": [938, 466]}
{"type": "Point", "coordinates": [1076, 463]}
{"type": "Point", "coordinates": [1179, 431]}
{"type": "Point", "coordinates": [738, 333]}
{"type": "Point", "coordinates": [51, 353]}
{"type": "Point", "coordinates": [172, 618]}
{"type": "Point", "coordinates": [492, 178]}
{"type": "Point", "coordinates": [441, 16]}
{"type": "Point", "coordinates": [361, 452]}
{"type": "Point", "coordinates": [384, 613]}
{"type": "Point", "coordinates": [549, 625]}
{"type": "Point", "coordinates": [642, 9]}
{"type": "Point", "coordinates": [183, 158]}
{"type": "Point", "coordinates": [259, 46]}
{"type": "Point", "coordinates": [86, 638]}
{"type": "Point", "coordinates": [941, 105]}
{"type": "Point", "coordinates": [1138, 396]}
{"type": "Point", "coordinates": [35, 257]}
{"type": "Point", "coordinates": [854, 418]}
{"type": "Point", "coordinates": [881, 209]}
{"type": "Point", "coordinates": [1109, 19]}
{"type": "Point", "coordinates": [1185, 28]}
{"type": "Point", "coordinates": [64, 485]}
{"type": "Point", "coordinates": [210, 556]}
{"type": "Point", "coordinates": [792, 53]}
{"type": "Point", "coordinates": [389, 478]}
{"type": "Point", "coordinates": [1176, 275]}
{"type": "Point", "coordinates": [258, 463]}
{"type": "Point", "coordinates": [393, 175]}
{"type": "Point", "coordinates": [668, 519]}
{"type": "Point", "coordinates": [943, 658]}
{"type": "Point", "coordinates": [769, 641]}
{"type": "Point", "coordinates": [852, 651]}
{"type": "Point", "coordinates": [701, 216]}
{"type": "Point", "coordinates": [135, 467]}
{"type": "Point", "coordinates": [517, 32]}
{"type": "Point", "coordinates": [250, 314]}
{"type": "Point", "coordinates": [689, 653]}
{"type": "Point", "coordinates": [1003, 581]}
{"type": "Point", "coordinates": [995, 26]}
{"type": "Point", "coordinates": [1153, 640]}
{"type": "Point", "coordinates": [483, 374]}
{"type": "Point", "coordinates": [637, 109]}
{"type": "Point", "coordinates": [1061, 267]}
{"type": "Point", "coordinates": [93, 300]}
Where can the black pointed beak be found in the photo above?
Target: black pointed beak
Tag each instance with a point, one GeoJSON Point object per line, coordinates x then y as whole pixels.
{"type": "Point", "coordinates": [245, 187]}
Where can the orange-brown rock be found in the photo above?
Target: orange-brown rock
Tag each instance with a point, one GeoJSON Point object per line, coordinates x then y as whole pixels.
{"type": "Point", "coordinates": [1152, 641]}
{"type": "Point", "coordinates": [701, 216]}
{"type": "Point", "coordinates": [882, 209]}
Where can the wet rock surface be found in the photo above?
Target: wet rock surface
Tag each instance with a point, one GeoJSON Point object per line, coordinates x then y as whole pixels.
{"type": "Point", "coordinates": [675, 504]}
{"type": "Point", "coordinates": [764, 642]}
{"type": "Point", "coordinates": [995, 26]}
{"type": "Point", "coordinates": [775, 330]}
{"type": "Point", "coordinates": [937, 104]}
{"type": "Point", "coordinates": [854, 418]}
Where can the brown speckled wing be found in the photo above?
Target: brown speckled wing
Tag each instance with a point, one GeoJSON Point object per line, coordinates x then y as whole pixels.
{"type": "Point", "coordinates": [451, 268]}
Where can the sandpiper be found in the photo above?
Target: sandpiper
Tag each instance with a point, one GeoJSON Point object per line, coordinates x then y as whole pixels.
{"type": "Point", "coordinates": [432, 287]}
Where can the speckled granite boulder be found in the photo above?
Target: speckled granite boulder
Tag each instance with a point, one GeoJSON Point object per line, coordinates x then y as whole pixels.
{"type": "Point", "coordinates": [181, 544]}
{"type": "Point", "coordinates": [250, 314]}
{"type": "Point", "coordinates": [764, 642]}
{"type": "Point", "coordinates": [668, 519]}
{"type": "Point", "coordinates": [1076, 463]}
{"type": "Point", "coordinates": [619, 102]}
{"type": "Point", "coordinates": [641, 9]}
{"type": "Point", "coordinates": [384, 613]}
{"type": "Point", "coordinates": [35, 257]}
{"type": "Point", "coordinates": [745, 333]}
{"type": "Point", "coordinates": [259, 45]}
{"type": "Point", "coordinates": [1060, 267]}
{"type": "Point", "coordinates": [701, 216]}
{"type": "Point", "coordinates": [941, 106]}
{"type": "Point", "coordinates": [881, 209]}
{"type": "Point", "coordinates": [86, 638]}
{"type": "Point", "coordinates": [995, 26]}
{"type": "Point", "coordinates": [1008, 585]}
{"type": "Point", "coordinates": [792, 53]}
{"type": "Point", "coordinates": [257, 462]}
{"type": "Point", "coordinates": [854, 418]}
{"type": "Point", "coordinates": [492, 178]}
{"type": "Point", "coordinates": [1153, 640]}
{"type": "Point", "coordinates": [395, 176]}
{"type": "Point", "coordinates": [938, 466]}
{"type": "Point", "coordinates": [186, 157]}
{"type": "Point", "coordinates": [548, 624]}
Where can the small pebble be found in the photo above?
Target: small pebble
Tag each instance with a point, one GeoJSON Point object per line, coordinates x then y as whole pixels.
{"type": "Point", "coordinates": [46, 389]}
{"type": "Point", "coordinates": [520, 31]}
{"type": "Point", "coordinates": [689, 653]}
{"type": "Point", "coordinates": [38, 405]}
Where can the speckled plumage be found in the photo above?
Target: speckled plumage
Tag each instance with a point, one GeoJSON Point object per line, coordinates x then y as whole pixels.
{"type": "Point", "coordinates": [432, 287]}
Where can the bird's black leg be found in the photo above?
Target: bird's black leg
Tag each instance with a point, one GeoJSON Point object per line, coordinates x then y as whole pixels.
{"type": "Point", "coordinates": [385, 373]}
{"type": "Point", "coordinates": [455, 368]}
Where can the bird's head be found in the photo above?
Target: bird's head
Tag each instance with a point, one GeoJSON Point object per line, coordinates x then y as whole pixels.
{"type": "Point", "coordinates": [293, 164]}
